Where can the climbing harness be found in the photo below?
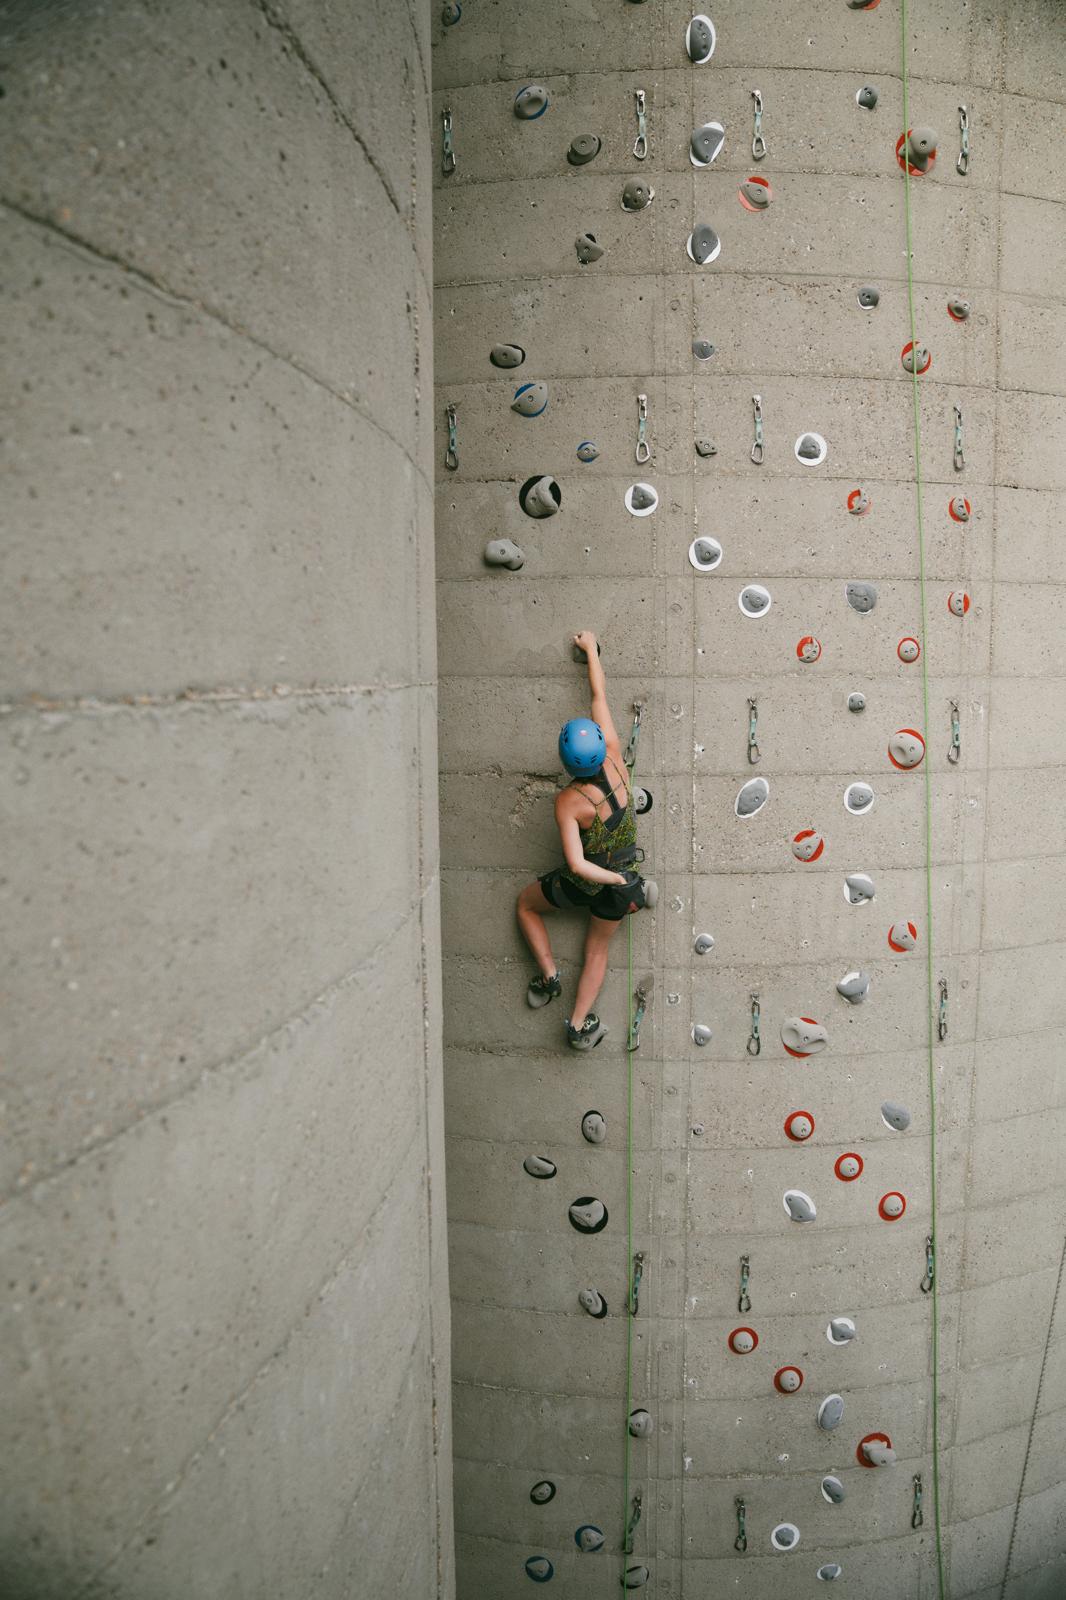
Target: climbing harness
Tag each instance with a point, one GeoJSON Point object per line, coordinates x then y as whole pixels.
{"type": "Point", "coordinates": [758, 143]}
{"type": "Point", "coordinates": [959, 458]}
{"type": "Point", "coordinates": [631, 1522]}
{"type": "Point", "coordinates": [451, 458]}
{"type": "Point", "coordinates": [631, 748]}
{"type": "Point", "coordinates": [926, 1284]}
{"type": "Point", "coordinates": [962, 165]}
{"type": "Point", "coordinates": [928, 798]}
{"type": "Point", "coordinates": [634, 1287]}
{"type": "Point", "coordinates": [744, 1298]}
{"type": "Point", "coordinates": [757, 452]}
{"type": "Point", "coordinates": [942, 1012]}
{"type": "Point", "coordinates": [754, 753]}
{"type": "Point", "coordinates": [754, 1041]}
{"type": "Point", "coordinates": [640, 144]}
{"type": "Point", "coordinates": [741, 1541]}
{"type": "Point", "coordinates": [917, 1518]}
{"type": "Point", "coordinates": [447, 164]}
{"type": "Point", "coordinates": [643, 450]}
{"type": "Point", "coordinates": [955, 748]}
{"type": "Point", "coordinates": [640, 1001]}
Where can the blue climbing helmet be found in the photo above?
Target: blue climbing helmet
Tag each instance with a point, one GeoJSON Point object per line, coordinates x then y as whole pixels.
{"type": "Point", "coordinates": [582, 747]}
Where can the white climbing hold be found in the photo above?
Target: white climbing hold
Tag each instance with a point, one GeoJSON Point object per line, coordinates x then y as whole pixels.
{"type": "Point", "coordinates": [893, 1115]}
{"type": "Point", "coordinates": [833, 1490]}
{"type": "Point", "coordinates": [540, 1167]}
{"type": "Point", "coordinates": [841, 1330]}
{"type": "Point", "coordinates": [641, 499]}
{"type": "Point", "coordinates": [799, 1206]}
{"type": "Point", "coordinates": [858, 798]}
{"type": "Point", "coordinates": [751, 798]}
{"type": "Point", "coordinates": [754, 600]}
{"type": "Point", "coordinates": [854, 986]}
{"type": "Point", "coordinates": [705, 554]}
{"type": "Point", "coordinates": [786, 1536]}
{"type": "Point", "coordinates": [701, 1034]}
{"type": "Point", "coordinates": [858, 889]}
{"type": "Point", "coordinates": [504, 553]}
{"type": "Point", "coordinates": [700, 39]}
{"type": "Point", "coordinates": [830, 1416]}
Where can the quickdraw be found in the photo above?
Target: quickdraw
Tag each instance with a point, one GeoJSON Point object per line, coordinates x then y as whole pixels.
{"type": "Point", "coordinates": [634, 1288]}
{"type": "Point", "coordinates": [632, 1520]}
{"type": "Point", "coordinates": [640, 144]}
{"type": "Point", "coordinates": [447, 164]}
{"type": "Point", "coordinates": [754, 753]}
{"type": "Point", "coordinates": [955, 748]}
{"type": "Point", "coordinates": [926, 1284]}
{"type": "Point", "coordinates": [754, 1040]}
{"type": "Point", "coordinates": [959, 458]}
{"type": "Point", "coordinates": [942, 1011]}
{"type": "Point", "coordinates": [962, 165]}
{"type": "Point", "coordinates": [741, 1541]}
{"type": "Point", "coordinates": [758, 143]}
{"type": "Point", "coordinates": [451, 458]}
{"type": "Point", "coordinates": [757, 451]}
{"type": "Point", "coordinates": [631, 748]}
{"type": "Point", "coordinates": [640, 999]}
{"type": "Point", "coordinates": [917, 1517]}
{"type": "Point", "coordinates": [643, 450]}
{"type": "Point", "coordinates": [744, 1298]}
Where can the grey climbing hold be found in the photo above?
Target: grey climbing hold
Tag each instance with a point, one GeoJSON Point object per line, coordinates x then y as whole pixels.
{"type": "Point", "coordinates": [861, 597]}
{"type": "Point", "coordinates": [811, 449]}
{"type": "Point", "coordinates": [908, 649]}
{"type": "Point", "coordinates": [916, 358]}
{"type": "Point", "coordinates": [906, 748]}
{"type": "Point", "coordinates": [751, 797]}
{"type": "Point", "coordinates": [530, 399]}
{"type": "Point", "coordinates": [587, 248]}
{"type": "Point", "coordinates": [540, 497]}
{"type": "Point", "coordinates": [507, 355]}
{"type": "Point", "coordinates": [833, 1490]}
{"type": "Point", "coordinates": [921, 147]}
{"type": "Point", "coordinates": [807, 845]}
{"type": "Point", "coordinates": [799, 1206]}
{"type": "Point", "coordinates": [588, 1215]}
{"type": "Point", "coordinates": [866, 97]}
{"type": "Point", "coordinates": [959, 309]}
{"type": "Point", "coordinates": [830, 1416]}
{"type": "Point", "coordinates": [858, 798]}
{"type": "Point", "coordinates": [799, 1125]}
{"type": "Point", "coordinates": [594, 1127]}
{"type": "Point", "coordinates": [854, 987]}
{"type": "Point", "coordinates": [756, 194]}
{"type": "Point", "coordinates": [858, 888]}
{"type": "Point", "coordinates": [592, 1301]}
{"type": "Point", "coordinates": [540, 1167]}
{"type": "Point", "coordinates": [706, 143]}
{"type": "Point", "coordinates": [960, 509]}
{"type": "Point", "coordinates": [702, 349]}
{"type": "Point", "coordinates": [706, 447]}
{"type": "Point", "coordinates": [531, 101]}
{"type": "Point", "coordinates": [893, 1115]}
{"type": "Point", "coordinates": [848, 1166]}
{"type": "Point", "coordinates": [841, 1330]}
{"type": "Point", "coordinates": [700, 39]}
{"type": "Point", "coordinates": [903, 936]}
{"type": "Point", "coordinates": [642, 801]}
{"type": "Point", "coordinates": [703, 244]}
{"type": "Point", "coordinates": [637, 195]}
{"type": "Point", "coordinates": [635, 1577]}
{"type": "Point", "coordinates": [754, 600]}
{"type": "Point", "coordinates": [831, 1570]}
{"type": "Point", "coordinates": [802, 1036]}
{"type": "Point", "coordinates": [588, 1538]}
{"type": "Point", "coordinates": [701, 1034]}
{"type": "Point", "coordinates": [785, 1536]}
{"type": "Point", "coordinates": [878, 1453]}
{"type": "Point", "coordinates": [704, 554]}
{"type": "Point", "coordinates": [856, 700]}
{"type": "Point", "coordinates": [704, 944]}
{"type": "Point", "coordinates": [788, 1380]}
{"type": "Point", "coordinates": [587, 451]}
{"type": "Point", "coordinates": [584, 147]}
{"type": "Point", "coordinates": [860, 505]}
{"type": "Point", "coordinates": [869, 296]}
{"type": "Point", "coordinates": [504, 553]}
{"type": "Point", "coordinates": [641, 1425]}
{"type": "Point", "coordinates": [540, 1569]}
{"type": "Point", "coordinates": [641, 499]}
{"type": "Point", "coordinates": [451, 12]}
{"type": "Point", "coordinates": [542, 1492]}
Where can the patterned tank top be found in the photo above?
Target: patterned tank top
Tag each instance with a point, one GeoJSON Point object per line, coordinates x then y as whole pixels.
{"type": "Point", "coordinates": [608, 841]}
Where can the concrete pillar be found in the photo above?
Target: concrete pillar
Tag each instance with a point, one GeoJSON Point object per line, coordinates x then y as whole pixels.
{"type": "Point", "coordinates": [225, 1319]}
{"type": "Point", "coordinates": [541, 1386]}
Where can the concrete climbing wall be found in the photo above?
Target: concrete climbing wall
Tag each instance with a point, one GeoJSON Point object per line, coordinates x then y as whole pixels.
{"type": "Point", "coordinates": [541, 1387]}
{"type": "Point", "coordinates": [225, 1325]}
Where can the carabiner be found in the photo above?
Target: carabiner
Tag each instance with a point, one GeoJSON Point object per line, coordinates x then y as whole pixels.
{"type": "Point", "coordinates": [960, 459]}
{"type": "Point", "coordinates": [448, 161]}
{"type": "Point", "coordinates": [930, 1265]}
{"type": "Point", "coordinates": [451, 458]}
{"type": "Point", "coordinates": [640, 145]}
{"type": "Point", "coordinates": [754, 1041]}
{"type": "Point", "coordinates": [955, 748]}
{"type": "Point", "coordinates": [942, 1011]}
{"type": "Point", "coordinates": [754, 753]}
{"type": "Point", "coordinates": [758, 143]}
{"type": "Point", "coordinates": [757, 449]}
{"type": "Point", "coordinates": [643, 450]}
{"type": "Point", "coordinates": [916, 1514]}
{"type": "Point", "coordinates": [741, 1541]}
{"type": "Point", "coordinates": [744, 1301]}
{"type": "Point", "coordinates": [962, 165]}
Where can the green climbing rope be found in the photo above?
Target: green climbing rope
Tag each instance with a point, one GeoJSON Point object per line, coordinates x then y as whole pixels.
{"type": "Point", "coordinates": [629, 1240]}
{"type": "Point", "coordinates": [931, 1004]}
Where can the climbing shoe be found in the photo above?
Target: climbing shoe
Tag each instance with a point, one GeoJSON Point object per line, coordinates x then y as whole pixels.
{"type": "Point", "coordinates": [588, 1036]}
{"type": "Point", "coordinates": [542, 989]}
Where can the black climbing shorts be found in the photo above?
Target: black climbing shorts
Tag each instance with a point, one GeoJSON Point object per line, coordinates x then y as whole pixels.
{"type": "Point", "coordinates": [611, 902]}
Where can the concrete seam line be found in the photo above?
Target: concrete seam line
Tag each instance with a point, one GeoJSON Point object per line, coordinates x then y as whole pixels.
{"type": "Point", "coordinates": [100, 705]}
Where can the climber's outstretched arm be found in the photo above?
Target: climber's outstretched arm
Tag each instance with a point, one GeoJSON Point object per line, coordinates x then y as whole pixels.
{"type": "Point", "coordinates": [601, 711]}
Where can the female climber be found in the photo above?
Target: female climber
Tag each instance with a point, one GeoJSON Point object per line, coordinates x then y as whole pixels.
{"type": "Point", "coordinates": [598, 828]}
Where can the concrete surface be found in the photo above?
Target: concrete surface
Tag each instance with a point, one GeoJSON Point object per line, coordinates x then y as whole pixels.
{"type": "Point", "coordinates": [225, 1325]}
{"type": "Point", "coordinates": [540, 1387]}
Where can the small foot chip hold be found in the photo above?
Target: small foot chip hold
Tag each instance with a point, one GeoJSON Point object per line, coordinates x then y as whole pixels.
{"type": "Point", "coordinates": [592, 1302]}
{"type": "Point", "coordinates": [531, 102]}
{"type": "Point", "coordinates": [588, 249]}
{"type": "Point", "coordinates": [830, 1416]}
{"type": "Point", "coordinates": [856, 700]}
{"type": "Point", "coordinates": [542, 1492]}
{"type": "Point", "coordinates": [591, 1033]}
{"type": "Point", "coordinates": [637, 195]}
{"type": "Point", "coordinates": [752, 797]}
{"type": "Point", "coordinates": [959, 309]}
{"type": "Point", "coordinates": [635, 1577]}
{"type": "Point", "coordinates": [701, 1034]}
{"type": "Point", "coordinates": [829, 1571]}
{"type": "Point", "coordinates": [866, 97]}
{"type": "Point", "coordinates": [756, 194]}
{"type": "Point", "coordinates": [854, 987]}
{"type": "Point", "coordinates": [858, 799]}
{"type": "Point", "coordinates": [859, 503]}
{"type": "Point", "coordinates": [833, 1490]}
{"type": "Point", "coordinates": [891, 1206]}
{"type": "Point", "coordinates": [539, 1167]}
{"type": "Point", "coordinates": [786, 1536]}
{"type": "Point", "coordinates": [587, 451]}
{"type": "Point", "coordinates": [589, 1538]}
{"type": "Point", "coordinates": [902, 936]}
{"type": "Point", "coordinates": [803, 1037]}
{"type": "Point", "coordinates": [799, 1207]}
{"type": "Point", "coordinates": [875, 1450]}
{"type": "Point", "coordinates": [584, 147]}
{"type": "Point", "coordinates": [641, 1425]}
{"type": "Point", "coordinates": [540, 496]}
{"type": "Point", "coordinates": [742, 1341]}
{"type": "Point", "coordinates": [530, 399]}
{"type": "Point", "coordinates": [705, 554]}
{"type": "Point", "coordinates": [861, 597]}
{"type": "Point", "coordinates": [799, 1125]}
{"type": "Point", "coordinates": [504, 553]}
{"type": "Point", "coordinates": [811, 449]}
{"type": "Point", "coordinates": [703, 244]}
{"type": "Point", "coordinates": [788, 1380]}
{"type": "Point", "coordinates": [706, 143]}
{"type": "Point", "coordinates": [706, 447]}
{"type": "Point", "coordinates": [958, 602]}
{"type": "Point", "coordinates": [507, 355]}
{"type": "Point", "coordinates": [809, 649]}
{"type": "Point", "coordinates": [702, 349]}
{"type": "Point", "coordinates": [893, 1115]}
{"type": "Point", "coordinates": [858, 889]}
{"type": "Point", "coordinates": [807, 845]}
{"type": "Point", "coordinates": [841, 1330]}
{"type": "Point", "coordinates": [700, 39]}
{"type": "Point", "coordinates": [540, 1569]}
{"type": "Point", "coordinates": [754, 600]}
{"type": "Point", "coordinates": [906, 749]}
{"type": "Point", "coordinates": [641, 499]}
{"type": "Point", "coordinates": [869, 297]}
{"type": "Point", "coordinates": [703, 944]}
{"type": "Point", "coordinates": [588, 1215]}
{"type": "Point", "coordinates": [849, 1166]}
